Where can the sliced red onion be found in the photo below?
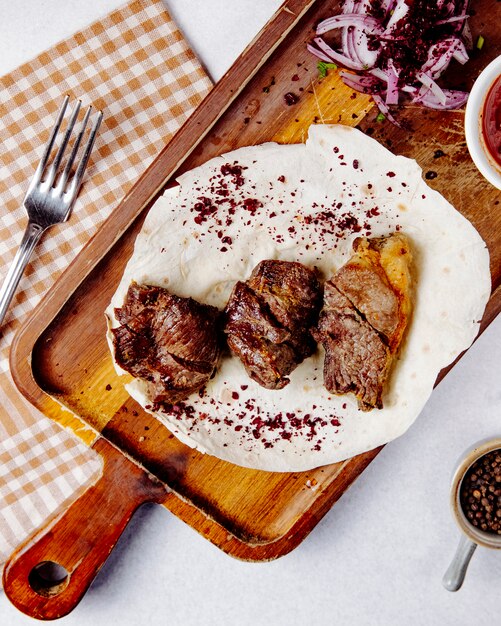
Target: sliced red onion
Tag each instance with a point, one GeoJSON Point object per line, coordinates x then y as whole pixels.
{"type": "Point", "coordinates": [460, 53]}
{"type": "Point", "coordinates": [432, 86]}
{"type": "Point", "coordinates": [367, 43]}
{"type": "Point", "coordinates": [409, 89]}
{"type": "Point", "coordinates": [348, 7]}
{"type": "Point", "coordinates": [364, 84]}
{"type": "Point", "coordinates": [462, 13]}
{"type": "Point", "coordinates": [392, 88]}
{"type": "Point", "coordinates": [359, 38]}
{"type": "Point", "coordinates": [367, 57]}
{"type": "Point", "coordinates": [357, 87]}
{"type": "Point", "coordinates": [450, 20]}
{"type": "Point", "coordinates": [379, 74]}
{"type": "Point", "coordinates": [385, 110]}
{"type": "Point", "coordinates": [335, 56]}
{"type": "Point", "coordinates": [351, 48]}
{"type": "Point", "coordinates": [318, 53]}
{"type": "Point", "coordinates": [387, 6]}
{"type": "Point", "coordinates": [399, 12]}
{"type": "Point", "coordinates": [351, 19]}
{"type": "Point", "coordinates": [453, 100]}
{"type": "Point", "coordinates": [440, 55]}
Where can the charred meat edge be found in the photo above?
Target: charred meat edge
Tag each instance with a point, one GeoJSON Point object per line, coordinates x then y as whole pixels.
{"type": "Point", "coordinates": [374, 295]}
{"type": "Point", "coordinates": [171, 343]}
{"type": "Point", "coordinates": [268, 320]}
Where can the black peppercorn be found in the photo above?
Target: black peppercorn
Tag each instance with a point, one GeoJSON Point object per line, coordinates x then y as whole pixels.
{"type": "Point", "coordinates": [479, 497]}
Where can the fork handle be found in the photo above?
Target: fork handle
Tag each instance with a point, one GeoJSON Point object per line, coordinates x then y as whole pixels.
{"type": "Point", "coordinates": [30, 239]}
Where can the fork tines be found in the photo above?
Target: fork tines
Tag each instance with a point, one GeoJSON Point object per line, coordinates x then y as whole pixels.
{"type": "Point", "coordinates": [49, 174]}
{"type": "Point", "coordinates": [51, 193]}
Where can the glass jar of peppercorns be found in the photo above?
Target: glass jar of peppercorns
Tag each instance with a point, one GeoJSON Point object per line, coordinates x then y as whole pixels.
{"type": "Point", "coordinates": [476, 505]}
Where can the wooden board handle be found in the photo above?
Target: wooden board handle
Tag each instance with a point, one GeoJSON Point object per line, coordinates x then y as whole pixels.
{"type": "Point", "coordinates": [79, 541]}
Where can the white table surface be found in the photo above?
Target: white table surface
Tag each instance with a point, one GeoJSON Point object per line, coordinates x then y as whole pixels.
{"type": "Point", "coordinates": [378, 556]}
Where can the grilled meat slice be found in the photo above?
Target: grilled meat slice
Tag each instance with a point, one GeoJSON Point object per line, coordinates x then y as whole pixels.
{"type": "Point", "coordinates": [367, 306]}
{"type": "Point", "coordinates": [356, 358]}
{"type": "Point", "coordinates": [292, 294]}
{"type": "Point", "coordinates": [171, 343]}
{"type": "Point", "coordinates": [257, 339]}
{"type": "Point", "coordinates": [377, 281]}
{"type": "Point", "coordinates": [268, 320]}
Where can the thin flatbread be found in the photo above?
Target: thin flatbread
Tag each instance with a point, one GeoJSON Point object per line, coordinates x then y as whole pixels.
{"type": "Point", "coordinates": [307, 203]}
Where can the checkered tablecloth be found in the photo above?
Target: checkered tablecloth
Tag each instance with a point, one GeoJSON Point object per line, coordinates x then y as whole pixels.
{"type": "Point", "coordinates": [135, 65]}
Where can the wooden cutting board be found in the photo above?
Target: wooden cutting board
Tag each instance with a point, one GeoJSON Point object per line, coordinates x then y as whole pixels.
{"type": "Point", "coordinates": [61, 363]}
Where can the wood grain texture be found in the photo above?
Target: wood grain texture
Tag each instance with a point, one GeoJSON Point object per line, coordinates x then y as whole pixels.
{"type": "Point", "coordinates": [81, 539]}
{"type": "Point", "coordinates": [60, 357]}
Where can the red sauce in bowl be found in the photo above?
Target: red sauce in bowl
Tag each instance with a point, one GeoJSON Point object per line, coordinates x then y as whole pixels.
{"type": "Point", "coordinates": [491, 121]}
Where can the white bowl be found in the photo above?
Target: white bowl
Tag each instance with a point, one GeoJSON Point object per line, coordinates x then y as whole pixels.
{"type": "Point", "coordinates": [473, 123]}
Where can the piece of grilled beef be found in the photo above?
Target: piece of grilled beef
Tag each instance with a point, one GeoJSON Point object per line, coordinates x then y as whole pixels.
{"type": "Point", "coordinates": [268, 320]}
{"type": "Point", "coordinates": [377, 280]}
{"type": "Point", "coordinates": [356, 357]}
{"type": "Point", "coordinates": [171, 343]}
{"type": "Point", "coordinates": [367, 306]}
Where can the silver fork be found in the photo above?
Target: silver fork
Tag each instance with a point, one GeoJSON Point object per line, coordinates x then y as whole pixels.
{"type": "Point", "coordinates": [49, 201]}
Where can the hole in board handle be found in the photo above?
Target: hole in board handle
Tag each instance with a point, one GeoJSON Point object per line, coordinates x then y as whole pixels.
{"type": "Point", "coordinates": [48, 579]}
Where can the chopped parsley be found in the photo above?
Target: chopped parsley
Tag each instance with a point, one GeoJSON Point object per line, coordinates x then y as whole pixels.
{"type": "Point", "coordinates": [380, 117]}
{"type": "Point", "coordinates": [322, 68]}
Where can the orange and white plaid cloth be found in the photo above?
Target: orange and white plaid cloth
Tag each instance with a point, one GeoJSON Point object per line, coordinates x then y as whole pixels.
{"type": "Point", "coordinates": [134, 65]}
